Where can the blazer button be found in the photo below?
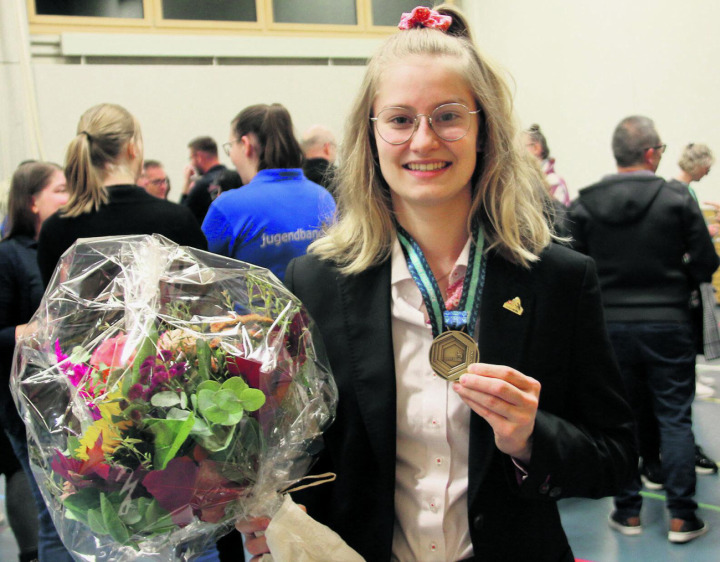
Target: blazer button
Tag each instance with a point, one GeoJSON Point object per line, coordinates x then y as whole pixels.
{"type": "Point", "coordinates": [544, 488]}
{"type": "Point", "coordinates": [555, 492]}
{"type": "Point", "coordinates": [478, 522]}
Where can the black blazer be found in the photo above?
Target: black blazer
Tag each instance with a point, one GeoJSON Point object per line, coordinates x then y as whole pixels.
{"type": "Point", "coordinates": [583, 438]}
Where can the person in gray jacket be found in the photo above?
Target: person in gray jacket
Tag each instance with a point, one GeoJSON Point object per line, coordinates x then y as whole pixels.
{"type": "Point", "coordinates": [651, 247]}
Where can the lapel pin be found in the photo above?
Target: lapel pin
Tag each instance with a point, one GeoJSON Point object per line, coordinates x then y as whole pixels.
{"type": "Point", "coordinates": [514, 306]}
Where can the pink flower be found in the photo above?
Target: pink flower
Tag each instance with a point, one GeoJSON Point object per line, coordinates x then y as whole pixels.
{"type": "Point", "coordinates": [424, 17]}
{"type": "Point", "coordinates": [109, 353]}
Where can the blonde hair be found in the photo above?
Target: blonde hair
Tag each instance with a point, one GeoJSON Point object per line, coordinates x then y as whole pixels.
{"type": "Point", "coordinates": [694, 156]}
{"type": "Point", "coordinates": [102, 133]}
{"type": "Point", "coordinates": [508, 196]}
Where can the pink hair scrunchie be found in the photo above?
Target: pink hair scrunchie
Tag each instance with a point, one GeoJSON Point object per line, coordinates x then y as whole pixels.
{"type": "Point", "coordinates": [424, 17]}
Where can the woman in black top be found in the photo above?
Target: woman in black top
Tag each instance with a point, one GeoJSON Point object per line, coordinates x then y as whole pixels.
{"type": "Point", "coordinates": [103, 162]}
{"type": "Point", "coordinates": [37, 190]}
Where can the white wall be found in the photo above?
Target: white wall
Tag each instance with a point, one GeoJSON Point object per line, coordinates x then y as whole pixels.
{"type": "Point", "coordinates": [578, 68]}
{"type": "Point", "coordinates": [177, 103]}
{"type": "Point", "coordinates": [581, 66]}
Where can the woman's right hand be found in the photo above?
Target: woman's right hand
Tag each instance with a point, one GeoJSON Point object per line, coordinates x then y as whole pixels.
{"type": "Point", "coordinates": [255, 545]}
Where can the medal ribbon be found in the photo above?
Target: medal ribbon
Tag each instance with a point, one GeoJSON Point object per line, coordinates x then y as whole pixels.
{"type": "Point", "coordinates": [442, 319]}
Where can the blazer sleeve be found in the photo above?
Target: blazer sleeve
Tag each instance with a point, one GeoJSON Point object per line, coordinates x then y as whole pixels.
{"type": "Point", "coordinates": [583, 442]}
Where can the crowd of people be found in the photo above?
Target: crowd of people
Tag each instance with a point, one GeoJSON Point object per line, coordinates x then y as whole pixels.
{"type": "Point", "coordinates": [440, 222]}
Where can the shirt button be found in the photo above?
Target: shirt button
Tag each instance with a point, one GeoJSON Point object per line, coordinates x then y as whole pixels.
{"type": "Point", "coordinates": [438, 461]}
{"type": "Point", "coordinates": [434, 506]}
{"type": "Point", "coordinates": [433, 547]}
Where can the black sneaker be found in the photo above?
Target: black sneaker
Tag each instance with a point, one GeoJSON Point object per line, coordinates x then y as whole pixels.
{"type": "Point", "coordinates": [629, 526]}
{"type": "Point", "coordinates": [652, 476]}
{"type": "Point", "coordinates": [685, 530]}
{"type": "Point", "coordinates": [703, 463]}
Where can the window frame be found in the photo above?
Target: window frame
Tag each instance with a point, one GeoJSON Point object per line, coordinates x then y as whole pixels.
{"type": "Point", "coordinates": [153, 22]}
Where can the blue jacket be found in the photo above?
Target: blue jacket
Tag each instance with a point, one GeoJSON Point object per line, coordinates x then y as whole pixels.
{"type": "Point", "coordinates": [269, 221]}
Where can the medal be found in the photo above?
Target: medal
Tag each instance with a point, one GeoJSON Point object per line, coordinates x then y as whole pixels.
{"type": "Point", "coordinates": [451, 353]}
{"type": "Point", "coordinates": [453, 348]}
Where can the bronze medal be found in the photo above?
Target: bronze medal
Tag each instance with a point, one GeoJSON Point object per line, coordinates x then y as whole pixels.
{"type": "Point", "coordinates": [451, 353]}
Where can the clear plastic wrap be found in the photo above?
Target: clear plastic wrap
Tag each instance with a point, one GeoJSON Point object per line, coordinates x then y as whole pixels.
{"type": "Point", "coordinates": [166, 391]}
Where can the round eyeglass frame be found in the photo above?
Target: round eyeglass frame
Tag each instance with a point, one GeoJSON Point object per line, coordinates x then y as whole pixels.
{"type": "Point", "coordinates": [228, 145]}
{"type": "Point", "coordinates": [416, 123]}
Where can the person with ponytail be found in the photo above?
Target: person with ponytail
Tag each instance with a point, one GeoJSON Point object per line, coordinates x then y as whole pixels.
{"type": "Point", "coordinates": [537, 145]}
{"type": "Point", "coordinates": [37, 190]}
{"type": "Point", "coordinates": [278, 212]}
{"type": "Point", "coordinates": [102, 165]}
{"type": "Point", "coordinates": [476, 381]}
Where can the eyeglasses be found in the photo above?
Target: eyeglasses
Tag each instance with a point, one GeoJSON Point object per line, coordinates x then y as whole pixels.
{"type": "Point", "coordinates": [228, 145]}
{"type": "Point", "coordinates": [450, 122]}
{"type": "Point", "coordinates": [660, 148]}
{"type": "Point", "coordinates": [158, 182]}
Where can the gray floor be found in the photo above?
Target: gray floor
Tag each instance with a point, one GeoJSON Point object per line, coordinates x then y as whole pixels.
{"type": "Point", "coordinates": [585, 520]}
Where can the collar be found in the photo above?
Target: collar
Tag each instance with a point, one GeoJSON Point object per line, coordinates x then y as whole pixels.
{"type": "Point", "coordinates": [400, 274]}
{"type": "Point", "coordinates": [25, 241]}
{"type": "Point", "coordinates": [279, 174]}
{"type": "Point", "coordinates": [636, 173]}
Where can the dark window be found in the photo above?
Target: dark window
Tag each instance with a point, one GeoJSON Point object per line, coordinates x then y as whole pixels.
{"type": "Point", "coordinates": [339, 12]}
{"type": "Point", "coordinates": [92, 8]}
{"type": "Point", "coordinates": [209, 10]}
{"type": "Point", "coordinates": [388, 12]}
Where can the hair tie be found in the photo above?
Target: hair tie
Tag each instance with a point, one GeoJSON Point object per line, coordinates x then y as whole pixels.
{"type": "Point", "coordinates": [424, 17]}
{"type": "Point", "coordinates": [87, 135]}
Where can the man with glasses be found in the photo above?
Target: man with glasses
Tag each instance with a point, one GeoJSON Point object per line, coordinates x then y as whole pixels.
{"type": "Point", "coordinates": [154, 180]}
{"type": "Point", "coordinates": [204, 169]}
{"type": "Point", "coordinates": [651, 247]}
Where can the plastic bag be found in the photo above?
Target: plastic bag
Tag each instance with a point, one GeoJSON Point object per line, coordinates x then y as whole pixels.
{"type": "Point", "coordinates": [166, 392]}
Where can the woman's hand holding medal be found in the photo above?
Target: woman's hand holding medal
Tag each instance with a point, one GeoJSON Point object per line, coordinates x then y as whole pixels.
{"type": "Point", "coordinates": [507, 400]}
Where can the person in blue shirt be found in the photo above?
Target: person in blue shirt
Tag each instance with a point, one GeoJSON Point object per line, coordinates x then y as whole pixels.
{"type": "Point", "coordinates": [278, 212]}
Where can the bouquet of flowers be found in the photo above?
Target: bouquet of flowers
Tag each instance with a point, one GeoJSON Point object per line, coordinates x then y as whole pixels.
{"type": "Point", "coordinates": [166, 391]}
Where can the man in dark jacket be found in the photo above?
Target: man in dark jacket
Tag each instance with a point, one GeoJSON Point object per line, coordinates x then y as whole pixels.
{"type": "Point", "coordinates": [200, 176]}
{"type": "Point", "coordinates": [651, 247]}
{"type": "Point", "coordinates": [319, 148]}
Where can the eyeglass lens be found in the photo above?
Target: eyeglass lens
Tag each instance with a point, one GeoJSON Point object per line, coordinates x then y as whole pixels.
{"type": "Point", "coordinates": [397, 125]}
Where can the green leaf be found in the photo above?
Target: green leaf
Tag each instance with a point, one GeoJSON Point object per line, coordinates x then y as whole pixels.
{"type": "Point", "coordinates": [200, 428]}
{"type": "Point", "coordinates": [73, 443]}
{"type": "Point", "coordinates": [165, 399]}
{"type": "Point", "coordinates": [227, 400]}
{"type": "Point", "coordinates": [169, 437]}
{"type": "Point", "coordinates": [183, 400]}
{"type": "Point", "coordinates": [115, 526]}
{"type": "Point", "coordinates": [81, 502]}
{"type": "Point", "coordinates": [208, 385]}
{"type": "Point", "coordinates": [79, 355]}
{"type": "Point", "coordinates": [206, 399]}
{"type": "Point", "coordinates": [252, 399]}
{"type": "Point", "coordinates": [156, 519]}
{"type": "Point", "coordinates": [177, 414]}
{"type": "Point", "coordinates": [132, 512]}
{"type": "Point", "coordinates": [219, 439]}
{"type": "Point", "coordinates": [236, 384]}
{"type": "Point", "coordinates": [216, 414]}
{"type": "Point", "coordinates": [148, 347]}
{"type": "Point", "coordinates": [203, 356]}
{"type": "Point", "coordinates": [96, 522]}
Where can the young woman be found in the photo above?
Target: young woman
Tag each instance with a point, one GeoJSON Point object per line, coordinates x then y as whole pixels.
{"type": "Point", "coordinates": [537, 145]}
{"type": "Point", "coordinates": [441, 265]}
{"type": "Point", "coordinates": [278, 212]}
{"type": "Point", "coordinates": [37, 190]}
{"type": "Point", "coordinates": [103, 162]}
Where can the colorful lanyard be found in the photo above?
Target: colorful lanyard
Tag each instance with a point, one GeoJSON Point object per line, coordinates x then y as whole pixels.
{"type": "Point", "coordinates": [441, 319]}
